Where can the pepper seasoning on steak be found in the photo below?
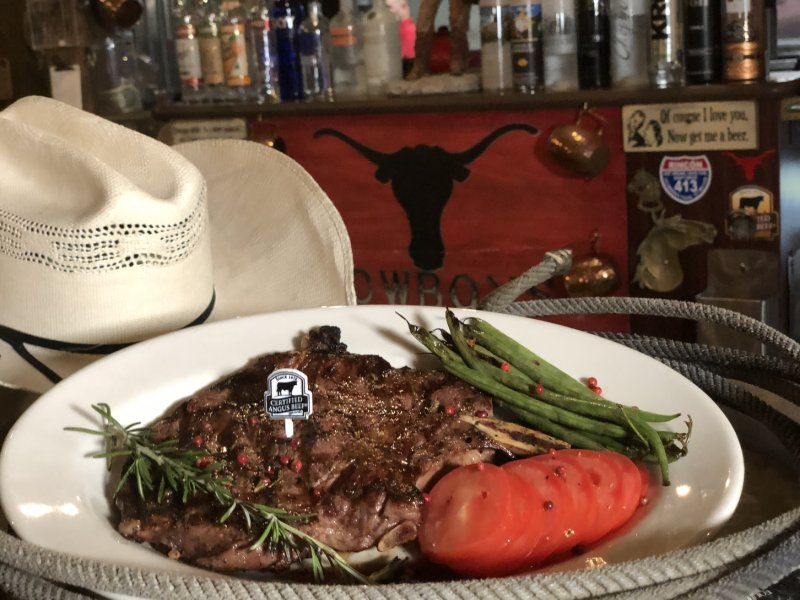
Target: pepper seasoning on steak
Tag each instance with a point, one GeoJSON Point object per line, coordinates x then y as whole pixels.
{"type": "Point", "coordinates": [377, 439]}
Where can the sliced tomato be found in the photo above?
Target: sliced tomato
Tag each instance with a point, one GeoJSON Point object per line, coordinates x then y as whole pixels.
{"type": "Point", "coordinates": [468, 517]}
{"type": "Point", "coordinates": [583, 521]}
{"type": "Point", "coordinates": [525, 533]}
{"type": "Point", "coordinates": [606, 477]}
{"type": "Point", "coordinates": [631, 482]}
{"type": "Point", "coordinates": [555, 511]}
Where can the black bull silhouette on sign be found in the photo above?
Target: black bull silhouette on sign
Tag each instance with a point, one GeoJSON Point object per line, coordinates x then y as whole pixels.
{"type": "Point", "coordinates": [422, 181]}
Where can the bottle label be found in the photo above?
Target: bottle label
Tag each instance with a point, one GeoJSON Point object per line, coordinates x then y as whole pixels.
{"type": "Point", "coordinates": [495, 24]}
{"type": "Point", "coordinates": [259, 34]}
{"type": "Point", "coordinates": [211, 60]}
{"type": "Point", "coordinates": [187, 50]}
{"type": "Point", "coordinates": [738, 6]}
{"type": "Point", "coordinates": [526, 46]}
{"type": "Point", "coordinates": [742, 61]}
{"type": "Point", "coordinates": [234, 55]}
{"type": "Point", "coordinates": [343, 36]}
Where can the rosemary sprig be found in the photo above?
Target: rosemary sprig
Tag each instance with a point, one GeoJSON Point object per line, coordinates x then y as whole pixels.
{"type": "Point", "coordinates": [158, 466]}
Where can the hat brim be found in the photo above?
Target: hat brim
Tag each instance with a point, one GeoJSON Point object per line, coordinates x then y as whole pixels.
{"type": "Point", "coordinates": [277, 243]}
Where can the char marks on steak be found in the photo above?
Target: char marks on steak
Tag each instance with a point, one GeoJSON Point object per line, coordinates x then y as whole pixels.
{"type": "Point", "coordinates": [377, 439]}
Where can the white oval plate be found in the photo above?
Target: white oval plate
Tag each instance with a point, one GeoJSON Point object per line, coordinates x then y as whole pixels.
{"type": "Point", "coordinates": [56, 497]}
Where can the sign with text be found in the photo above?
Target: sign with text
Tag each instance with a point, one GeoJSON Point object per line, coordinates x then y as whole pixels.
{"type": "Point", "coordinates": [690, 127]}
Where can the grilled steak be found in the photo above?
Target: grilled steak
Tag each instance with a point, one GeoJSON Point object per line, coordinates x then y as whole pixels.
{"type": "Point", "coordinates": [378, 438]}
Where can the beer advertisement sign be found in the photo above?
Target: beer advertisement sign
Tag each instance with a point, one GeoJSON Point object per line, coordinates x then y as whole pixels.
{"type": "Point", "coordinates": [690, 126]}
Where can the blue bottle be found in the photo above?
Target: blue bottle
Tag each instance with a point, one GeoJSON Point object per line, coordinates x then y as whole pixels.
{"type": "Point", "coordinates": [286, 18]}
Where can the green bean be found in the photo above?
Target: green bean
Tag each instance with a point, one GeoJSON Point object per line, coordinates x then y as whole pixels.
{"type": "Point", "coordinates": [503, 368]}
{"type": "Point", "coordinates": [537, 370]}
{"type": "Point", "coordinates": [513, 400]}
{"type": "Point", "coordinates": [535, 366]}
{"type": "Point", "coordinates": [523, 400]}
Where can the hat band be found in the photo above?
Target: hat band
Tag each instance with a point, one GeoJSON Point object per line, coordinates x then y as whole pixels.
{"type": "Point", "coordinates": [18, 340]}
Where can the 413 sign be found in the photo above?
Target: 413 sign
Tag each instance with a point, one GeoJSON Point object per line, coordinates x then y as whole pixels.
{"type": "Point", "coordinates": [685, 179]}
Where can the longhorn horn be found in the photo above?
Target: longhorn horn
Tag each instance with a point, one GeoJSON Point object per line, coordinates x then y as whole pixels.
{"type": "Point", "coordinates": [372, 155]}
{"type": "Point", "coordinates": [468, 156]}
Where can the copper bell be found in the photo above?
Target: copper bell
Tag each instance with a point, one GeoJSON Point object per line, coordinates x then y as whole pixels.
{"type": "Point", "coordinates": [592, 275]}
{"type": "Point", "coordinates": [580, 149]}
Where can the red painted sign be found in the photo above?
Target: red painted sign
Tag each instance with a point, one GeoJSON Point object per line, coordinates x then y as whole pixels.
{"type": "Point", "coordinates": [491, 193]}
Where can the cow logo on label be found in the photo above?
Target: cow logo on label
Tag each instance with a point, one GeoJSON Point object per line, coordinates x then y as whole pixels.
{"type": "Point", "coordinates": [287, 395]}
{"type": "Point", "coordinates": [751, 214]}
{"type": "Point", "coordinates": [685, 179]}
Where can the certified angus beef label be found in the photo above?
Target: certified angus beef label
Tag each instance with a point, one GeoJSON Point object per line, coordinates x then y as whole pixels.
{"type": "Point", "coordinates": [287, 395]}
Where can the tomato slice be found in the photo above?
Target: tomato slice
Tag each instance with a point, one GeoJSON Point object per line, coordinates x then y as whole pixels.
{"type": "Point", "coordinates": [468, 517]}
{"type": "Point", "coordinates": [583, 521]}
{"type": "Point", "coordinates": [526, 531]}
{"type": "Point", "coordinates": [631, 487]}
{"type": "Point", "coordinates": [606, 477]}
{"type": "Point", "coordinates": [556, 509]}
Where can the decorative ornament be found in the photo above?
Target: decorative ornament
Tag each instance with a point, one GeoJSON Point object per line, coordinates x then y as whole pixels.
{"type": "Point", "coordinates": [592, 275]}
{"type": "Point", "coordinates": [578, 148]}
{"type": "Point", "coordinates": [659, 268]}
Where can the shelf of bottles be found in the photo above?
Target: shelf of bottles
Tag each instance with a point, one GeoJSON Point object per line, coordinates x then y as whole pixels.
{"type": "Point", "coordinates": [259, 53]}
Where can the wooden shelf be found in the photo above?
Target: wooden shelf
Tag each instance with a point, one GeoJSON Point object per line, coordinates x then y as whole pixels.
{"type": "Point", "coordinates": [487, 101]}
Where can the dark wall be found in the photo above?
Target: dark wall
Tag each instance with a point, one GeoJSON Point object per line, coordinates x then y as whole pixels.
{"type": "Point", "coordinates": [28, 72]}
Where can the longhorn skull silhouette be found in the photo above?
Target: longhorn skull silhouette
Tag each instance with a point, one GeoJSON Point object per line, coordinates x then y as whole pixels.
{"type": "Point", "coordinates": [422, 181]}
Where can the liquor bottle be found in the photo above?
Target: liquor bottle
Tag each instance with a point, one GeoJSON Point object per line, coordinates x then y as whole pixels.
{"type": "Point", "coordinates": [315, 54]}
{"type": "Point", "coordinates": [187, 51]}
{"type": "Point", "coordinates": [527, 53]}
{"type": "Point", "coordinates": [630, 28]}
{"type": "Point", "coordinates": [702, 36]}
{"type": "Point", "coordinates": [347, 53]}
{"type": "Point", "coordinates": [666, 66]}
{"type": "Point", "coordinates": [594, 44]}
{"type": "Point", "coordinates": [383, 58]}
{"type": "Point", "coordinates": [234, 51]}
{"type": "Point", "coordinates": [741, 40]}
{"type": "Point", "coordinates": [560, 37]}
{"type": "Point", "coordinates": [263, 52]}
{"type": "Point", "coordinates": [211, 50]}
{"type": "Point", "coordinates": [285, 23]}
{"type": "Point", "coordinates": [496, 72]}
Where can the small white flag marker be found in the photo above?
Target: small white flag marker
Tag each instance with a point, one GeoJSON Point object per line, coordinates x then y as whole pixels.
{"type": "Point", "coordinates": [288, 397]}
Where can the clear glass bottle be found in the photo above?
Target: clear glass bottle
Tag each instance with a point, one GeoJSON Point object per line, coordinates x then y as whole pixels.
{"type": "Point", "coordinates": [382, 52]}
{"type": "Point", "coordinates": [496, 72]}
{"type": "Point", "coordinates": [285, 21]}
{"type": "Point", "coordinates": [560, 37]}
{"type": "Point", "coordinates": [666, 60]}
{"type": "Point", "coordinates": [527, 52]}
{"type": "Point", "coordinates": [594, 44]}
{"type": "Point", "coordinates": [315, 54]}
{"type": "Point", "coordinates": [742, 50]}
{"type": "Point", "coordinates": [211, 50]}
{"type": "Point", "coordinates": [630, 30]}
{"type": "Point", "coordinates": [187, 51]}
{"type": "Point", "coordinates": [347, 53]}
{"type": "Point", "coordinates": [263, 52]}
{"type": "Point", "coordinates": [233, 34]}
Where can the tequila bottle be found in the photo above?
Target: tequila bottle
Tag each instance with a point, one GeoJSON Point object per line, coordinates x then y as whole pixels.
{"type": "Point", "coordinates": [382, 53]}
{"type": "Point", "coordinates": [263, 52]}
{"type": "Point", "coordinates": [315, 54]}
{"type": "Point", "coordinates": [560, 37]}
{"type": "Point", "coordinates": [347, 53]}
{"type": "Point", "coordinates": [286, 21]}
{"type": "Point", "coordinates": [187, 51]}
{"type": "Point", "coordinates": [234, 51]}
{"type": "Point", "coordinates": [211, 50]}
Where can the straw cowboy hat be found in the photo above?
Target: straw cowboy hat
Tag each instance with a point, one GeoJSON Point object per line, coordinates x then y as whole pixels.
{"type": "Point", "coordinates": [108, 237]}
